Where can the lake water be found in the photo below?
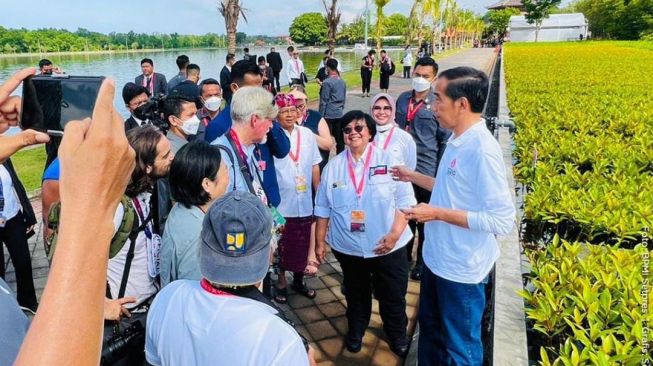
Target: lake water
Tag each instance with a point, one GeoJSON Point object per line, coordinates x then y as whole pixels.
{"type": "Point", "coordinates": [124, 67]}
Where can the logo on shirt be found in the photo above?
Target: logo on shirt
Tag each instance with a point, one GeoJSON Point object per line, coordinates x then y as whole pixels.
{"type": "Point", "coordinates": [451, 171]}
{"type": "Point", "coordinates": [236, 242]}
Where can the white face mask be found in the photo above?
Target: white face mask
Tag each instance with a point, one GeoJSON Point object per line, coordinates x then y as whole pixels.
{"type": "Point", "coordinates": [213, 103]}
{"type": "Point", "coordinates": [420, 84]}
{"type": "Point", "coordinates": [191, 125]}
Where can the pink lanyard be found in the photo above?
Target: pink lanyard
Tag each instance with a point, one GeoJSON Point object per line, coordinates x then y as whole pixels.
{"type": "Point", "coordinates": [387, 141]}
{"type": "Point", "coordinates": [352, 175]}
{"type": "Point", "coordinates": [295, 157]}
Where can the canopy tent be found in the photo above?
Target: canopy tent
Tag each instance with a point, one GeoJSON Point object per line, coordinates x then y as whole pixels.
{"type": "Point", "coordinates": [555, 28]}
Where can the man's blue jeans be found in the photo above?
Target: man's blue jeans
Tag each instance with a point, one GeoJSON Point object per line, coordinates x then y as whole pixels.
{"type": "Point", "coordinates": [450, 316]}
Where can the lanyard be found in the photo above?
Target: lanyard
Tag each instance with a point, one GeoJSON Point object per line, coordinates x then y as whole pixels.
{"type": "Point", "coordinates": [387, 140]}
{"type": "Point", "coordinates": [413, 109]}
{"type": "Point", "coordinates": [352, 175]}
{"type": "Point", "coordinates": [2, 198]}
{"type": "Point", "coordinates": [139, 210]}
{"type": "Point", "coordinates": [295, 156]}
{"type": "Point", "coordinates": [212, 290]}
{"type": "Point", "coordinates": [239, 147]}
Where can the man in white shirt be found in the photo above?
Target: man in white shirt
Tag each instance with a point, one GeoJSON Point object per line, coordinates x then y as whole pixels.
{"type": "Point", "coordinates": [470, 204]}
{"type": "Point", "coordinates": [295, 69]}
{"type": "Point", "coordinates": [223, 319]}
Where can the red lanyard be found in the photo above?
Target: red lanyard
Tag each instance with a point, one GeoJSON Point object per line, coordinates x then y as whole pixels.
{"type": "Point", "coordinates": [210, 289]}
{"type": "Point", "coordinates": [413, 109]}
{"type": "Point", "coordinates": [295, 157]}
{"type": "Point", "coordinates": [239, 147]}
{"type": "Point", "coordinates": [352, 175]}
{"type": "Point", "coordinates": [387, 140]}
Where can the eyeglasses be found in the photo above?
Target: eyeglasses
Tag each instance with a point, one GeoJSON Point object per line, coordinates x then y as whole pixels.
{"type": "Point", "coordinates": [384, 108]}
{"type": "Point", "coordinates": [301, 107]}
{"type": "Point", "coordinates": [358, 128]}
{"type": "Point", "coordinates": [287, 112]}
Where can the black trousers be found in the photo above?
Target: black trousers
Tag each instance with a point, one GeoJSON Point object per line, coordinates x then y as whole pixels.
{"type": "Point", "coordinates": [14, 236]}
{"type": "Point", "coordinates": [384, 81]}
{"type": "Point", "coordinates": [335, 128]}
{"type": "Point", "coordinates": [406, 72]}
{"type": "Point", "coordinates": [275, 75]}
{"type": "Point", "coordinates": [421, 195]}
{"type": "Point", "coordinates": [366, 76]}
{"type": "Point", "coordinates": [387, 275]}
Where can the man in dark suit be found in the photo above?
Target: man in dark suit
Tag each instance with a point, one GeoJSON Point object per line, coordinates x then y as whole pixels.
{"type": "Point", "coordinates": [225, 78]}
{"type": "Point", "coordinates": [274, 60]}
{"type": "Point", "coordinates": [135, 97]}
{"type": "Point", "coordinates": [154, 82]}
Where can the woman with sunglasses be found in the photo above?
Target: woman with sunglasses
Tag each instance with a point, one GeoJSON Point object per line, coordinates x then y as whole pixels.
{"type": "Point", "coordinates": [390, 137]}
{"type": "Point", "coordinates": [359, 203]}
{"type": "Point", "coordinates": [314, 121]}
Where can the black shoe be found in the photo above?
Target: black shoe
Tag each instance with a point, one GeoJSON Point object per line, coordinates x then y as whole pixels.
{"type": "Point", "coordinates": [416, 273]}
{"type": "Point", "coordinates": [400, 348]}
{"type": "Point", "coordinates": [353, 346]}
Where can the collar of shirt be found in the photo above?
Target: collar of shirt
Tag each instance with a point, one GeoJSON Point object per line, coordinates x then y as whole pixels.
{"type": "Point", "coordinates": [458, 141]}
{"type": "Point", "coordinates": [430, 96]}
{"type": "Point", "coordinates": [139, 121]}
{"type": "Point", "coordinates": [363, 155]}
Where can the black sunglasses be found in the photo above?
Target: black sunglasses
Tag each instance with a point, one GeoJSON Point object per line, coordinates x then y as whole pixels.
{"type": "Point", "coordinates": [358, 128]}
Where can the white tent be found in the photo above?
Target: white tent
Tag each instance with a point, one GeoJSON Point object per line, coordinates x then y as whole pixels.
{"type": "Point", "coordinates": [557, 27]}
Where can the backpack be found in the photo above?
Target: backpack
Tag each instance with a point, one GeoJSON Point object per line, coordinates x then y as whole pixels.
{"type": "Point", "coordinates": [392, 68]}
{"type": "Point", "coordinates": [128, 223]}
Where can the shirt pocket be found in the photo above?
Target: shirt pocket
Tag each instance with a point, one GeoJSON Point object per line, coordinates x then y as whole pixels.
{"type": "Point", "coordinates": [382, 186]}
{"type": "Point", "coordinates": [341, 197]}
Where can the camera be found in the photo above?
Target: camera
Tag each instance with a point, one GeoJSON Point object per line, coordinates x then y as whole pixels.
{"type": "Point", "coordinates": [122, 343]}
{"type": "Point", "coordinates": [153, 111]}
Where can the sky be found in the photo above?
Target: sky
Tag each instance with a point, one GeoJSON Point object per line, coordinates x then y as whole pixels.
{"type": "Point", "coordinates": [267, 17]}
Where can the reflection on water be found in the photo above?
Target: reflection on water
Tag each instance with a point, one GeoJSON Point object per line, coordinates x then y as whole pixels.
{"type": "Point", "coordinates": [124, 67]}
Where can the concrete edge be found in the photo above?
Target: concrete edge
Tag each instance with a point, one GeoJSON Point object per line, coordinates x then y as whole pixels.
{"type": "Point", "coordinates": [510, 342]}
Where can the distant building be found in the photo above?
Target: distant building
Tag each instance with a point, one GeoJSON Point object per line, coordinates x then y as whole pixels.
{"type": "Point", "coordinates": [508, 4]}
{"type": "Point", "coordinates": [556, 28]}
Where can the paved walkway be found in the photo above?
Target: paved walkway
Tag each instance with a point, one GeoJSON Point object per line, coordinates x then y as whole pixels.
{"type": "Point", "coordinates": [321, 320]}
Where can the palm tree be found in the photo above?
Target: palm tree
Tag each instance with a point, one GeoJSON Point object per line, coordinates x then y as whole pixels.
{"type": "Point", "coordinates": [230, 11]}
{"type": "Point", "coordinates": [415, 29]}
{"type": "Point", "coordinates": [333, 19]}
{"type": "Point", "coordinates": [434, 9]}
{"type": "Point", "coordinates": [379, 20]}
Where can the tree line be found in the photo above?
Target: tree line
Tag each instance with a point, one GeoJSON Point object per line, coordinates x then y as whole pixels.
{"type": "Point", "coordinates": [61, 40]}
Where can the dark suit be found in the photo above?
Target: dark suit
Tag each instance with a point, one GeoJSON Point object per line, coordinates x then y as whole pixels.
{"type": "Point", "coordinates": [225, 83]}
{"type": "Point", "coordinates": [274, 60]}
{"type": "Point", "coordinates": [130, 123]}
{"type": "Point", "coordinates": [160, 84]}
{"type": "Point", "coordinates": [14, 235]}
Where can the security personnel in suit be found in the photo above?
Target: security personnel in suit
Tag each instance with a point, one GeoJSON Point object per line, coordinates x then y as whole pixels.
{"type": "Point", "coordinates": [154, 82]}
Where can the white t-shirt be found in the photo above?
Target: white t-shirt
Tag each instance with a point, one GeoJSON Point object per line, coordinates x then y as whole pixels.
{"type": "Point", "coordinates": [401, 145]}
{"type": "Point", "coordinates": [471, 177]}
{"type": "Point", "coordinates": [188, 325]}
{"type": "Point", "coordinates": [11, 201]}
{"type": "Point", "coordinates": [295, 178]}
{"type": "Point", "coordinates": [140, 284]}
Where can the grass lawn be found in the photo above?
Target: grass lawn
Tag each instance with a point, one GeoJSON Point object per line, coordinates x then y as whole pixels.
{"type": "Point", "coordinates": [29, 166]}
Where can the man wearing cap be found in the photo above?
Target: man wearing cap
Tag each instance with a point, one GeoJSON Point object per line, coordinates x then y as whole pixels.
{"type": "Point", "coordinates": [224, 319]}
{"type": "Point", "coordinates": [136, 97]}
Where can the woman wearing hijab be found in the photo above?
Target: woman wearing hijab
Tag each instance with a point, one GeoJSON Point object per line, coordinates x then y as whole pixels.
{"type": "Point", "coordinates": [389, 137]}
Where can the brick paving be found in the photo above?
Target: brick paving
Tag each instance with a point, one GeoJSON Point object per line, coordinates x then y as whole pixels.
{"type": "Point", "coordinates": [321, 320]}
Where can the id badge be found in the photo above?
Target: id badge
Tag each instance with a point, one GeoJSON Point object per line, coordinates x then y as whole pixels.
{"type": "Point", "coordinates": [357, 221]}
{"type": "Point", "coordinates": [278, 219]}
{"type": "Point", "coordinates": [154, 256]}
{"type": "Point", "coordinates": [3, 221]}
{"type": "Point", "coordinates": [300, 184]}
{"type": "Point", "coordinates": [262, 165]}
{"type": "Point", "coordinates": [260, 192]}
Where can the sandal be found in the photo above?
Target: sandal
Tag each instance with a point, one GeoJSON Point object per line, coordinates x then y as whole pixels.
{"type": "Point", "coordinates": [281, 295]}
{"type": "Point", "coordinates": [311, 268]}
{"type": "Point", "coordinates": [305, 291]}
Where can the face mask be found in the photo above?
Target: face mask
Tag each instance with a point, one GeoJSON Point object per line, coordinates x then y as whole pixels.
{"type": "Point", "coordinates": [191, 125]}
{"type": "Point", "coordinates": [420, 84]}
{"type": "Point", "coordinates": [143, 112]}
{"type": "Point", "coordinates": [213, 103]}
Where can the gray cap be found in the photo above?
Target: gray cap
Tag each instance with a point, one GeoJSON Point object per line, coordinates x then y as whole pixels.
{"type": "Point", "coordinates": [236, 235]}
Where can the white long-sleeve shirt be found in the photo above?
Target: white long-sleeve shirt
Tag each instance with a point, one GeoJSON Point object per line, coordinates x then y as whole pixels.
{"type": "Point", "coordinates": [401, 145]}
{"type": "Point", "coordinates": [294, 69]}
{"type": "Point", "coordinates": [471, 177]}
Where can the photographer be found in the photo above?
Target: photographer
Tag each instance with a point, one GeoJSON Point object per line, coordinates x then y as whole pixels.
{"type": "Point", "coordinates": [136, 99]}
{"type": "Point", "coordinates": [223, 319]}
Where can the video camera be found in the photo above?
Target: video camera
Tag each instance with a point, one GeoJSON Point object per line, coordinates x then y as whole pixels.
{"type": "Point", "coordinates": [122, 343]}
{"type": "Point", "coordinates": [153, 111]}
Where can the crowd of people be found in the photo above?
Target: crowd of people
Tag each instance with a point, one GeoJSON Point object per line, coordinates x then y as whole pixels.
{"type": "Point", "coordinates": [180, 216]}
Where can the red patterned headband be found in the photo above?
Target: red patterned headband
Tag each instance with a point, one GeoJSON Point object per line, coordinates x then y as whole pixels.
{"type": "Point", "coordinates": [285, 100]}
